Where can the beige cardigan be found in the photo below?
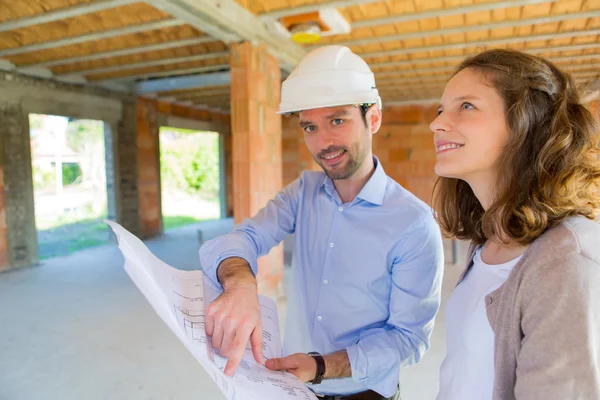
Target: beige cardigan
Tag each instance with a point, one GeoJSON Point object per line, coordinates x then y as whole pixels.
{"type": "Point", "coordinates": [546, 317]}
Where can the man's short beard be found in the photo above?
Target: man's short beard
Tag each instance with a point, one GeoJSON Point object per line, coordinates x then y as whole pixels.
{"type": "Point", "coordinates": [353, 164]}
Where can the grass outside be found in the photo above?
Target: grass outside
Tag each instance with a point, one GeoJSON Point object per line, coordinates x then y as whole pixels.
{"type": "Point", "coordinates": [62, 240]}
{"type": "Point", "coordinates": [69, 238]}
{"type": "Point", "coordinates": [177, 221]}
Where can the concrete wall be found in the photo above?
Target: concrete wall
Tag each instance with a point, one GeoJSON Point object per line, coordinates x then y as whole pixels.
{"type": "Point", "coordinates": [132, 159]}
{"type": "Point", "coordinates": [3, 231]}
{"type": "Point", "coordinates": [20, 242]}
{"type": "Point", "coordinates": [21, 96]}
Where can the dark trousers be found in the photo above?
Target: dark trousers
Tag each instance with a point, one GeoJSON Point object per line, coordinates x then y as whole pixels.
{"type": "Point", "coordinates": [368, 395]}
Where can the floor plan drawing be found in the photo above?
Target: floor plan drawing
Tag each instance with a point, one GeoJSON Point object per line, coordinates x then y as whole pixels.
{"type": "Point", "coordinates": [180, 298]}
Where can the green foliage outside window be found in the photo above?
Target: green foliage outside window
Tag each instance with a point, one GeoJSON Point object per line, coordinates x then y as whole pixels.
{"type": "Point", "coordinates": [190, 162]}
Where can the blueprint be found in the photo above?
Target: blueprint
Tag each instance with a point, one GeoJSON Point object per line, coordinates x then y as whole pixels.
{"type": "Point", "coordinates": [180, 297]}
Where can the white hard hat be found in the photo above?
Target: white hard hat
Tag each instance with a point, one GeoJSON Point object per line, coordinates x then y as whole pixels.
{"type": "Point", "coordinates": [329, 76]}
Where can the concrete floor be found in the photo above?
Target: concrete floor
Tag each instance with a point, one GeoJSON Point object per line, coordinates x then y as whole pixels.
{"type": "Point", "coordinates": [77, 328]}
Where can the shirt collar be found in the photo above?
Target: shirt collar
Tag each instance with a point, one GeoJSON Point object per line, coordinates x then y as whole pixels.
{"type": "Point", "coordinates": [374, 189]}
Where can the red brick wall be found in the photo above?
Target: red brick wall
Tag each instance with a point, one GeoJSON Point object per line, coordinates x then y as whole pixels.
{"type": "Point", "coordinates": [405, 147]}
{"type": "Point", "coordinates": [148, 168]}
{"type": "Point", "coordinates": [3, 232]}
{"type": "Point", "coordinates": [594, 107]}
{"type": "Point", "coordinates": [191, 113]}
{"type": "Point", "coordinates": [289, 150]}
{"type": "Point", "coordinates": [296, 157]}
{"type": "Point", "coordinates": [404, 144]}
{"type": "Point", "coordinates": [256, 145]}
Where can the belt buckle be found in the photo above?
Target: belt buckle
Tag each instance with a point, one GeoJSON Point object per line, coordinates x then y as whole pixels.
{"type": "Point", "coordinates": [327, 396]}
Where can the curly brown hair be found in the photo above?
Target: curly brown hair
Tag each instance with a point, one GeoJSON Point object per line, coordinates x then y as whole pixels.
{"type": "Point", "coordinates": [550, 168]}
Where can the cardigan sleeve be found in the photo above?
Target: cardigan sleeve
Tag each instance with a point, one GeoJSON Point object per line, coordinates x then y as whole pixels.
{"type": "Point", "coordinates": [559, 356]}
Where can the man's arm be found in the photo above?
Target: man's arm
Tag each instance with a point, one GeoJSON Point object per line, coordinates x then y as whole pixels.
{"type": "Point", "coordinates": [337, 365]}
{"type": "Point", "coordinates": [417, 271]}
{"type": "Point", "coordinates": [255, 236]}
{"type": "Point", "coordinates": [231, 261]}
{"type": "Point", "coordinates": [234, 271]}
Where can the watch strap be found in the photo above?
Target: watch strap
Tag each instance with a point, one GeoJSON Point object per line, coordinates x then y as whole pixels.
{"type": "Point", "coordinates": [320, 367]}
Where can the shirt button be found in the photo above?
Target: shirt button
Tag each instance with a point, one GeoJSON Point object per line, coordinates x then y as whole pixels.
{"type": "Point", "coordinates": [330, 244]}
{"type": "Point", "coordinates": [326, 281]}
{"type": "Point", "coordinates": [341, 208]}
{"type": "Point", "coordinates": [488, 301]}
{"type": "Point", "coordinates": [319, 318]}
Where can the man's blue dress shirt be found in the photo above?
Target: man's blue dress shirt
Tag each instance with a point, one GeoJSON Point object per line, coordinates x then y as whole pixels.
{"type": "Point", "coordinates": [366, 275]}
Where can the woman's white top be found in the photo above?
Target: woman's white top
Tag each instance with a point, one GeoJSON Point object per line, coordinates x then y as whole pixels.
{"type": "Point", "coordinates": [467, 373]}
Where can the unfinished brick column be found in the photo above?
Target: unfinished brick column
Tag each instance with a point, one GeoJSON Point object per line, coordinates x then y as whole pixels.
{"type": "Point", "coordinates": [148, 171]}
{"type": "Point", "coordinates": [256, 145]}
{"type": "Point", "coordinates": [126, 179]}
{"type": "Point", "coordinates": [3, 241]}
{"type": "Point", "coordinates": [18, 236]}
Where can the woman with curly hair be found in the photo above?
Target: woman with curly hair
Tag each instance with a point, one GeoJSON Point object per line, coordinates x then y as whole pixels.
{"type": "Point", "coordinates": [517, 159]}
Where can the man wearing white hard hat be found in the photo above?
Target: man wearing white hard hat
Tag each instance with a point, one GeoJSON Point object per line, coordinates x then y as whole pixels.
{"type": "Point", "coordinates": [367, 260]}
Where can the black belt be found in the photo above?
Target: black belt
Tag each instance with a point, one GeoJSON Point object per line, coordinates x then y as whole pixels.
{"type": "Point", "coordinates": [368, 395]}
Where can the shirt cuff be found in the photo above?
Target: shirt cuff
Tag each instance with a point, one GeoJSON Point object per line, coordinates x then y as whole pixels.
{"type": "Point", "coordinates": [386, 383]}
{"type": "Point", "coordinates": [211, 269]}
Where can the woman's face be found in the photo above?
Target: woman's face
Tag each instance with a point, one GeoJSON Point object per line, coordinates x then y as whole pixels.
{"type": "Point", "coordinates": [470, 131]}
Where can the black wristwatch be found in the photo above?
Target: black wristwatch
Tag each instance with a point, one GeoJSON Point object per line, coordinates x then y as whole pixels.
{"type": "Point", "coordinates": [320, 367]}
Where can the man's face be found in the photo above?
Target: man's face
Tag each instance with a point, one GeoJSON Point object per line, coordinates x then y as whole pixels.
{"type": "Point", "coordinates": [338, 139]}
